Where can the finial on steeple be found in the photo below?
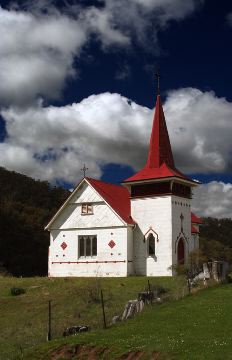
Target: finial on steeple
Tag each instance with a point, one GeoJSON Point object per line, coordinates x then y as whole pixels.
{"type": "Point", "coordinates": [84, 169]}
{"type": "Point", "coordinates": [158, 82]}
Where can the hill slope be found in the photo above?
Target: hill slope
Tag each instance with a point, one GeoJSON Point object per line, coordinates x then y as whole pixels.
{"type": "Point", "coordinates": [26, 205]}
{"type": "Point", "coordinates": [75, 301]}
{"type": "Point", "coordinates": [196, 327]}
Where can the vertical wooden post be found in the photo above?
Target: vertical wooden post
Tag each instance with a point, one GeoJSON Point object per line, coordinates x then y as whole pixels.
{"type": "Point", "coordinates": [21, 351]}
{"type": "Point", "coordinates": [103, 311]}
{"type": "Point", "coordinates": [149, 290]}
{"type": "Point", "coordinates": [49, 321]}
{"type": "Point", "coordinates": [149, 286]}
{"type": "Point", "coordinates": [189, 285]}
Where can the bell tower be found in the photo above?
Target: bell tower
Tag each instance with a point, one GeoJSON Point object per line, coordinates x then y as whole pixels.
{"type": "Point", "coordinates": [160, 205]}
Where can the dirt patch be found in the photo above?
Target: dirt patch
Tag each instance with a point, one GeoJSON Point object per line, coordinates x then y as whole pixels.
{"type": "Point", "coordinates": [137, 355]}
{"type": "Point", "coordinates": [133, 355]}
{"type": "Point", "coordinates": [86, 352]}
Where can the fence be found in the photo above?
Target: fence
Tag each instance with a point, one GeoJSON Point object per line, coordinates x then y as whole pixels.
{"type": "Point", "coordinates": [61, 303]}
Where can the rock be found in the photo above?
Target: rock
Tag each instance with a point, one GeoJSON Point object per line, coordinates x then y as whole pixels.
{"type": "Point", "coordinates": [115, 319]}
{"type": "Point", "coordinates": [146, 296]}
{"type": "Point", "coordinates": [73, 330]}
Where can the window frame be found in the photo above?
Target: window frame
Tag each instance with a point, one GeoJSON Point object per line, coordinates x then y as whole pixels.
{"type": "Point", "coordinates": [148, 244]}
{"type": "Point", "coordinates": [92, 249]}
{"type": "Point", "coordinates": [88, 207]}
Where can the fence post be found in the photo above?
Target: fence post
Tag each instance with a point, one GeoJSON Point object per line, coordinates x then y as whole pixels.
{"type": "Point", "coordinates": [149, 286]}
{"type": "Point", "coordinates": [49, 338]}
{"type": "Point", "coordinates": [21, 351]}
{"type": "Point", "coordinates": [103, 310]}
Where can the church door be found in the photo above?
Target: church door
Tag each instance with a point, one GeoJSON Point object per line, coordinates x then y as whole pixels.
{"type": "Point", "coordinates": [180, 252]}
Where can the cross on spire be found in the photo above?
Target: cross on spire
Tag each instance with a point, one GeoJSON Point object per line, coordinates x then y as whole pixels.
{"type": "Point", "coordinates": [84, 169]}
{"type": "Point", "coordinates": [158, 82]}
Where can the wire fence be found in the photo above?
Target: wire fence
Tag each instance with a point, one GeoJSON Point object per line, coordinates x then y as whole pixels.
{"type": "Point", "coordinates": [94, 304]}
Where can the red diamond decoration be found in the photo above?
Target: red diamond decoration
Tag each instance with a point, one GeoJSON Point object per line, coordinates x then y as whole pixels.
{"type": "Point", "coordinates": [63, 245]}
{"type": "Point", "coordinates": [111, 244]}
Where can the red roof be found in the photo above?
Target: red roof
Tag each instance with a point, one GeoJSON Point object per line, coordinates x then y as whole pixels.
{"type": "Point", "coordinates": [194, 230]}
{"type": "Point", "coordinates": [116, 196]}
{"type": "Point", "coordinates": [164, 171]}
{"type": "Point", "coordinates": [195, 219]}
{"type": "Point", "coordinates": [160, 162]}
{"type": "Point", "coordinates": [160, 150]}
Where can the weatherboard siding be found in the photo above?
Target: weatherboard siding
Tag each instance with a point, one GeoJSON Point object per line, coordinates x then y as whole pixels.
{"type": "Point", "coordinates": [104, 223]}
{"type": "Point", "coordinates": [71, 217]}
{"type": "Point", "coordinates": [152, 213]}
{"type": "Point", "coordinates": [130, 250]}
{"type": "Point", "coordinates": [181, 206]}
{"type": "Point", "coordinates": [108, 262]}
{"type": "Point", "coordinates": [85, 193]}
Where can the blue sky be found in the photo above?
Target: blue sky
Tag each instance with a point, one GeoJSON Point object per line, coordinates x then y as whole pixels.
{"type": "Point", "coordinates": [77, 86]}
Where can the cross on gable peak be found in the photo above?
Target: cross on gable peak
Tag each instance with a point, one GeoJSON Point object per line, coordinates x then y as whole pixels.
{"type": "Point", "coordinates": [84, 169]}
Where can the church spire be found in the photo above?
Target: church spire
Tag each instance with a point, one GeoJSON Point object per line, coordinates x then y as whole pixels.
{"type": "Point", "coordinates": [160, 163]}
{"type": "Point", "coordinates": [160, 148]}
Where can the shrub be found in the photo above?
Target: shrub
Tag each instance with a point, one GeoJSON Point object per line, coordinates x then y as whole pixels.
{"type": "Point", "coordinates": [15, 291]}
{"type": "Point", "coordinates": [157, 290]}
{"type": "Point", "coordinates": [229, 277]}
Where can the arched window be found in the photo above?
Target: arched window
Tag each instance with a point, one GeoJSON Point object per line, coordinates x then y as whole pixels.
{"type": "Point", "coordinates": [181, 252]}
{"type": "Point", "coordinates": [151, 245]}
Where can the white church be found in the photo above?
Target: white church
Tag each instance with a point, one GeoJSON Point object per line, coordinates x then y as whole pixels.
{"type": "Point", "coordinates": [142, 227]}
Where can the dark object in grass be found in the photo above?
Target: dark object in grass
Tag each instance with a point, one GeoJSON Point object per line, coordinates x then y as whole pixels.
{"type": "Point", "coordinates": [74, 330]}
{"type": "Point", "coordinates": [158, 290]}
{"type": "Point", "coordinates": [116, 319]}
{"type": "Point", "coordinates": [15, 291]}
{"type": "Point", "coordinates": [146, 296]}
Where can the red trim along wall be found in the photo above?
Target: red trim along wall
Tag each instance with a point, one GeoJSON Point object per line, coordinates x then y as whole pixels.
{"type": "Point", "coordinates": [89, 262]}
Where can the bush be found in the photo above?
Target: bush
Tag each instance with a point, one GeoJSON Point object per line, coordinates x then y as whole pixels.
{"type": "Point", "coordinates": [157, 290]}
{"type": "Point", "coordinates": [229, 277]}
{"type": "Point", "coordinates": [15, 291]}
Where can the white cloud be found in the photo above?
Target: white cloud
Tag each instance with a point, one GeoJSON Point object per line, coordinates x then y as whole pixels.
{"type": "Point", "coordinates": [213, 199]}
{"type": "Point", "coordinates": [124, 21]}
{"type": "Point", "coordinates": [200, 127]}
{"type": "Point", "coordinates": [100, 129]}
{"type": "Point", "coordinates": [40, 42]}
{"type": "Point", "coordinates": [229, 19]}
{"type": "Point", "coordinates": [36, 54]}
{"type": "Point", "coordinates": [109, 128]}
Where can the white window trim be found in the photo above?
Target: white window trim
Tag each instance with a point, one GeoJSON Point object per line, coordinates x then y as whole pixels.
{"type": "Point", "coordinates": [154, 239]}
{"type": "Point", "coordinates": [85, 256]}
{"type": "Point", "coordinates": [89, 208]}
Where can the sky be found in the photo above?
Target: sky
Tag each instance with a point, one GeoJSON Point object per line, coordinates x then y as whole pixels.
{"type": "Point", "coordinates": [77, 86]}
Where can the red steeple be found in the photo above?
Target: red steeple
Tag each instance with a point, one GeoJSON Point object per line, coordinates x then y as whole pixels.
{"type": "Point", "coordinates": [160, 149]}
{"type": "Point", "coordinates": [160, 162]}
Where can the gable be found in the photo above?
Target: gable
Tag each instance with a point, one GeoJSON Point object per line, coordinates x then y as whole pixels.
{"type": "Point", "coordinates": [85, 194]}
{"type": "Point", "coordinates": [70, 215]}
{"type": "Point", "coordinates": [116, 196]}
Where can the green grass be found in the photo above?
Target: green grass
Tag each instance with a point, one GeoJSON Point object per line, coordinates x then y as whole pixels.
{"type": "Point", "coordinates": [23, 318]}
{"type": "Point", "coordinates": [197, 327]}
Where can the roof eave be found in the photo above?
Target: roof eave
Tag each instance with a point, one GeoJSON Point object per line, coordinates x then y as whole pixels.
{"type": "Point", "coordinates": [47, 227]}
{"type": "Point", "coordinates": [115, 212]}
{"type": "Point", "coordinates": [165, 179]}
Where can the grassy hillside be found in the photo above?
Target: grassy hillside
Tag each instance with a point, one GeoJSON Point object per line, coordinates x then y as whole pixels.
{"type": "Point", "coordinates": [74, 302]}
{"type": "Point", "coordinates": [197, 327]}
{"type": "Point", "coordinates": [26, 205]}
